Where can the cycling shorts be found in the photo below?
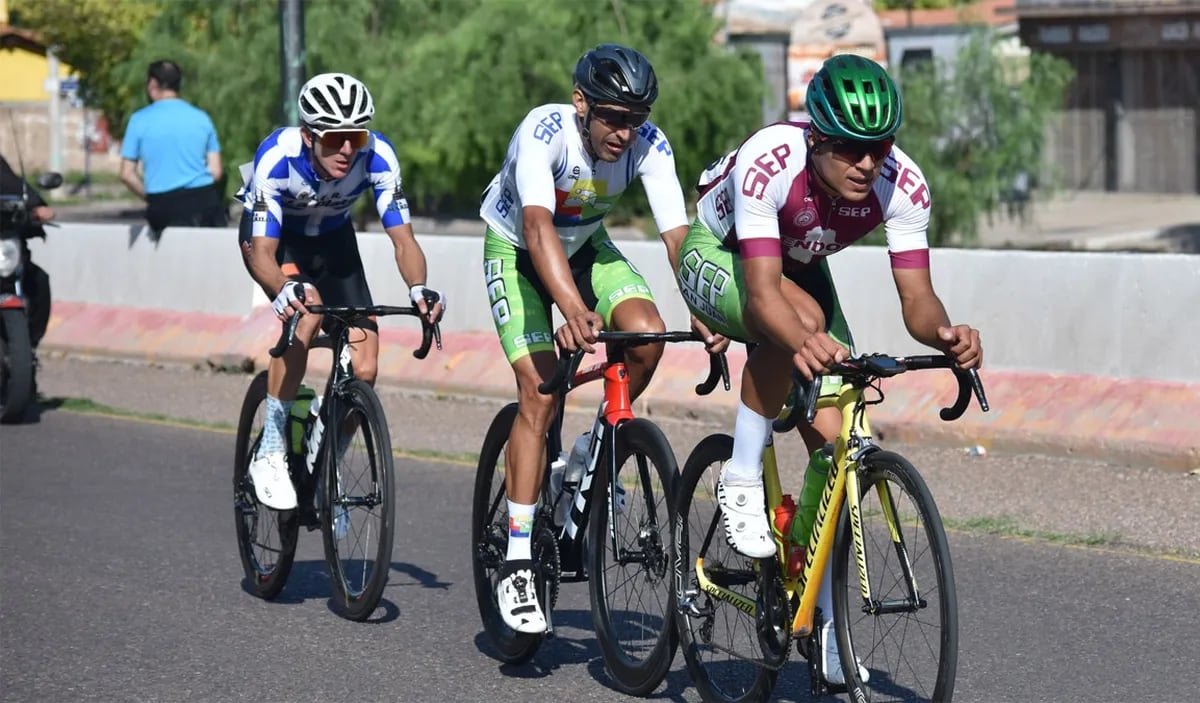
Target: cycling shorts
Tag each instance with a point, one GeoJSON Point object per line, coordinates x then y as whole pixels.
{"type": "Point", "coordinates": [713, 284]}
{"type": "Point", "coordinates": [521, 304]}
{"type": "Point", "coordinates": [330, 262]}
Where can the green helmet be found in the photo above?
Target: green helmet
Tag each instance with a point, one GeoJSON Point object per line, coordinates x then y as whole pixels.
{"type": "Point", "coordinates": [852, 97]}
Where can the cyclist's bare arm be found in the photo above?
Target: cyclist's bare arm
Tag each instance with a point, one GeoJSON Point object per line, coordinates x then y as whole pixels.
{"type": "Point", "coordinates": [263, 268]}
{"type": "Point", "coordinates": [927, 321]}
{"type": "Point", "coordinates": [550, 263]}
{"type": "Point", "coordinates": [781, 323]}
{"type": "Point", "coordinates": [410, 260]}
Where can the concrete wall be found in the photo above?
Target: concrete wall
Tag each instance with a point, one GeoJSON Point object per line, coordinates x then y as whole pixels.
{"type": "Point", "coordinates": [1114, 315]}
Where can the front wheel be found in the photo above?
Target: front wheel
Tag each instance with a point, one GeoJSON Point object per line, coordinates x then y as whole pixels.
{"type": "Point", "coordinates": [905, 635]}
{"type": "Point", "coordinates": [358, 501]}
{"type": "Point", "coordinates": [16, 366]}
{"type": "Point", "coordinates": [266, 537]}
{"type": "Point", "coordinates": [489, 541]}
{"type": "Point", "coordinates": [633, 601]}
{"type": "Point", "coordinates": [719, 631]}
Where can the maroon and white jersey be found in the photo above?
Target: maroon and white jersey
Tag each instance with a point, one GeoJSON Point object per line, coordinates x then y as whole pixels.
{"type": "Point", "coordinates": [763, 200]}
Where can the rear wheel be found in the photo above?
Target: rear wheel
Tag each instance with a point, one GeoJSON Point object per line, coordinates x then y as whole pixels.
{"type": "Point", "coordinates": [722, 644]}
{"type": "Point", "coordinates": [489, 541]}
{"type": "Point", "coordinates": [266, 537]}
{"type": "Point", "coordinates": [633, 601]}
{"type": "Point", "coordinates": [16, 366]}
{"type": "Point", "coordinates": [906, 636]}
{"type": "Point", "coordinates": [358, 507]}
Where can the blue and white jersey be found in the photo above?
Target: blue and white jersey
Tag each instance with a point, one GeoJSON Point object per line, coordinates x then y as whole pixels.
{"type": "Point", "coordinates": [299, 202]}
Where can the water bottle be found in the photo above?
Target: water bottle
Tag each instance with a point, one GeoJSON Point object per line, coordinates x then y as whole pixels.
{"type": "Point", "coordinates": [558, 467]}
{"type": "Point", "coordinates": [298, 419]}
{"type": "Point", "coordinates": [785, 515]}
{"type": "Point", "coordinates": [577, 463]}
{"type": "Point", "coordinates": [316, 430]}
{"type": "Point", "coordinates": [572, 473]}
{"type": "Point", "coordinates": [810, 496]}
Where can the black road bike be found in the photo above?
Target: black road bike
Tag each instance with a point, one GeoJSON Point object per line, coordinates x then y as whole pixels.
{"type": "Point", "coordinates": [343, 475]}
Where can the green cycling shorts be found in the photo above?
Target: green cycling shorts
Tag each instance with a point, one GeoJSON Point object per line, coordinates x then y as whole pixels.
{"type": "Point", "coordinates": [713, 285]}
{"type": "Point", "coordinates": [521, 304]}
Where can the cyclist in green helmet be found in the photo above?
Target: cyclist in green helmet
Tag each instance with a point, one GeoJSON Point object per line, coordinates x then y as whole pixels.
{"type": "Point", "coordinates": [752, 266]}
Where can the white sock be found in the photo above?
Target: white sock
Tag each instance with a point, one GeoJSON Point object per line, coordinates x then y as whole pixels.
{"type": "Point", "coordinates": [273, 441]}
{"type": "Point", "coordinates": [750, 433]}
{"type": "Point", "coordinates": [520, 528]}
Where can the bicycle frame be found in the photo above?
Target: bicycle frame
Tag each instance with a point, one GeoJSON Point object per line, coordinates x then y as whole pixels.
{"type": "Point", "coordinates": [615, 408]}
{"type": "Point", "coordinates": [853, 442]}
{"type": "Point", "coordinates": [341, 372]}
{"type": "Point", "coordinates": [841, 484]}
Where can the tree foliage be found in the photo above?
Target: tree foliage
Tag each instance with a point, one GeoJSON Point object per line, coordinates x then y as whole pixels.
{"type": "Point", "coordinates": [977, 125]}
{"type": "Point", "coordinates": [451, 78]}
{"type": "Point", "coordinates": [93, 36]}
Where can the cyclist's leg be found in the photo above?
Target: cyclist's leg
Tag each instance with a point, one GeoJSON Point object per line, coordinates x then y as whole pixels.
{"type": "Point", "coordinates": [521, 313]}
{"type": "Point", "coordinates": [268, 470]}
{"type": "Point", "coordinates": [616, 290]}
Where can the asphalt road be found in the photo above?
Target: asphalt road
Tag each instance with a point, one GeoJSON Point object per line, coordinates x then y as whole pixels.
{"type": "Point", "coordinates": [122, 580]}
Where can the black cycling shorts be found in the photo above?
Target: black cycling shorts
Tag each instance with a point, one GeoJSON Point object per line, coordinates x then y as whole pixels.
{"type": "Point", "coordinates": [330, 262]}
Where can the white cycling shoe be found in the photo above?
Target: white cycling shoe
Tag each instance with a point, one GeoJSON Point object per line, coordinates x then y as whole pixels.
{"type": "Point", "coordinates": [832, 663]}
{"type": "Point", "coordinates": [744, 513]}
{"type": "Point", "coordinates": [516, 596]}
{"type": "Point", "coordinates": [272, 484]}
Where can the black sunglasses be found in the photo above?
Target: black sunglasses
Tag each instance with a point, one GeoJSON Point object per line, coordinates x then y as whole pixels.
{"type": "Point", "coordinates": [620, 119]}
{"type": "Point", "coordinates": [853, 150]}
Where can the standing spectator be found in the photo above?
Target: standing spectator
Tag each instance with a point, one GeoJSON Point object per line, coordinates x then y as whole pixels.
{"type": "Point", "coordinates": [180, 155]}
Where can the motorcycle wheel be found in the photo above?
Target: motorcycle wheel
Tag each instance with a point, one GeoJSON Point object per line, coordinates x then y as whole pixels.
{"type": "Point", "coordinates": [16, 366]}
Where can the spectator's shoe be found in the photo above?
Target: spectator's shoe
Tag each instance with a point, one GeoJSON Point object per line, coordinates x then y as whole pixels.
{"type": "Point", "coordinates": [832, 663]}
{"type": "Point", "coordinates": [272, 484]}
{"type": "Point", "coordinates": [516, 596]}
{"type": "Point", "coordinates": [744, 513]}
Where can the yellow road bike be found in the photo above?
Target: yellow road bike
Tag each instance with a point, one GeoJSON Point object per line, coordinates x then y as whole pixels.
{"type": "Point", "coordinates": [895, 608]}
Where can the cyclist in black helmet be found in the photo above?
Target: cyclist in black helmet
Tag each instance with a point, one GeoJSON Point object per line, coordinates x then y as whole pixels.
{"type": "Point", "coordinates": [567, 165]}
{"type": "Point", "coordinates": [753, 268]}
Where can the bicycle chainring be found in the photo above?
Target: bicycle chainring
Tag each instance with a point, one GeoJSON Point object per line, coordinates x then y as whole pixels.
{"type": "Point", "coordinates": [774, 623]}
{"type": "Point", "coordinates": [547, 561]}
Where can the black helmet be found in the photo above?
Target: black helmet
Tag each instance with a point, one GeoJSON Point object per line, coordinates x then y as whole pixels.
{"type": "Point", "coordinates": [617, 75]}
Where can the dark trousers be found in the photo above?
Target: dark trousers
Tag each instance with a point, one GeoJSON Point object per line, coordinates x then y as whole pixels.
{"type": "Point", "coordinates": [186, 207]}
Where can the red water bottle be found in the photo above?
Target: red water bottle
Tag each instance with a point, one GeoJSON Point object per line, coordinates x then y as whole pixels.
{"type": "Point", "coordinates": [794, 553]}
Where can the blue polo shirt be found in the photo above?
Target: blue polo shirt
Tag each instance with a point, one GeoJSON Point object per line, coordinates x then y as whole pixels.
{"type": "Point", "coordinates": [172, 138]}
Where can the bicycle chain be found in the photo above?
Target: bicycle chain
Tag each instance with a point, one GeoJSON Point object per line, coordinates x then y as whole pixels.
{"type": "Point", "coordinates": [764, 663]}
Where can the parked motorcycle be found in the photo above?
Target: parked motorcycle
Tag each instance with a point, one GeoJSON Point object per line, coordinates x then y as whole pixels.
{"type": "Point", "coordinates": [18, 366]}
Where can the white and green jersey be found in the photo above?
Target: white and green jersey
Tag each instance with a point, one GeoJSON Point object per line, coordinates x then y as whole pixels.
{"type": "Point", "coordinates": [547, 165]}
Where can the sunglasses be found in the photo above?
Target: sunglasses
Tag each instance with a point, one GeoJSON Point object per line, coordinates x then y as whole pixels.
{"type": "Point", "coordinates": [335, 138]}
{"type": "Point", "coordinates": [853, 151]}
{"type": "Point", "coordinates": [621, 119]}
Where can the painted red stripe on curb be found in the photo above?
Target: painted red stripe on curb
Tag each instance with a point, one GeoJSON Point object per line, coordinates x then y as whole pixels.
{"type": "Point", "coordinates": [1142, 421]}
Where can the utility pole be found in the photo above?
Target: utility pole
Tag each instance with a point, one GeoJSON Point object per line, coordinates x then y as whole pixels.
{"type": "Point", "coordinates": [52, 87]}
{"type": "Point", "coordinates": [291, 57]}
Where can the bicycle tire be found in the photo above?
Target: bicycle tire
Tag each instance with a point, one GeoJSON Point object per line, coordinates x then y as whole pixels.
{"type": "Point", "coordinates": [16, 376]}
{"type": "Point", "coordinates": [358, 510]}
{"type": "Point", "coordinates": [637, 650]}
{"type": "Point", "coordinates": [894, 670]}
{"type": "Point", "coordinates": [732, 679]}
{"type": "Point", "coordinates": [489, 541]}
{"type": "Point", "coordinates": [255, 522]}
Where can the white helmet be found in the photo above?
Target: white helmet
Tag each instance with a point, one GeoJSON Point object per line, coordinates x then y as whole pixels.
{"type": "Point", "coordinates": [335, 101]}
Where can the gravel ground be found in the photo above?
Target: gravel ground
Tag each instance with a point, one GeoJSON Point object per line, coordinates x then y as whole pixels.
{"type": "Point", "coordinates": [1113, 504]}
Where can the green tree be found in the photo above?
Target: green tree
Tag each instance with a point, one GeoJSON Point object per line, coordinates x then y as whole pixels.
{"type": "Point", "coordinates": [974, 126]}
{"type": "Point", "coordinates": [94, 37]}
{"type": "Point", "coordinates": [453, 78]}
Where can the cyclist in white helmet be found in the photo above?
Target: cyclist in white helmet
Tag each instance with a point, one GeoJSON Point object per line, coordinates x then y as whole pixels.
{"type": "Point", "coordinates": [296, 235]}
